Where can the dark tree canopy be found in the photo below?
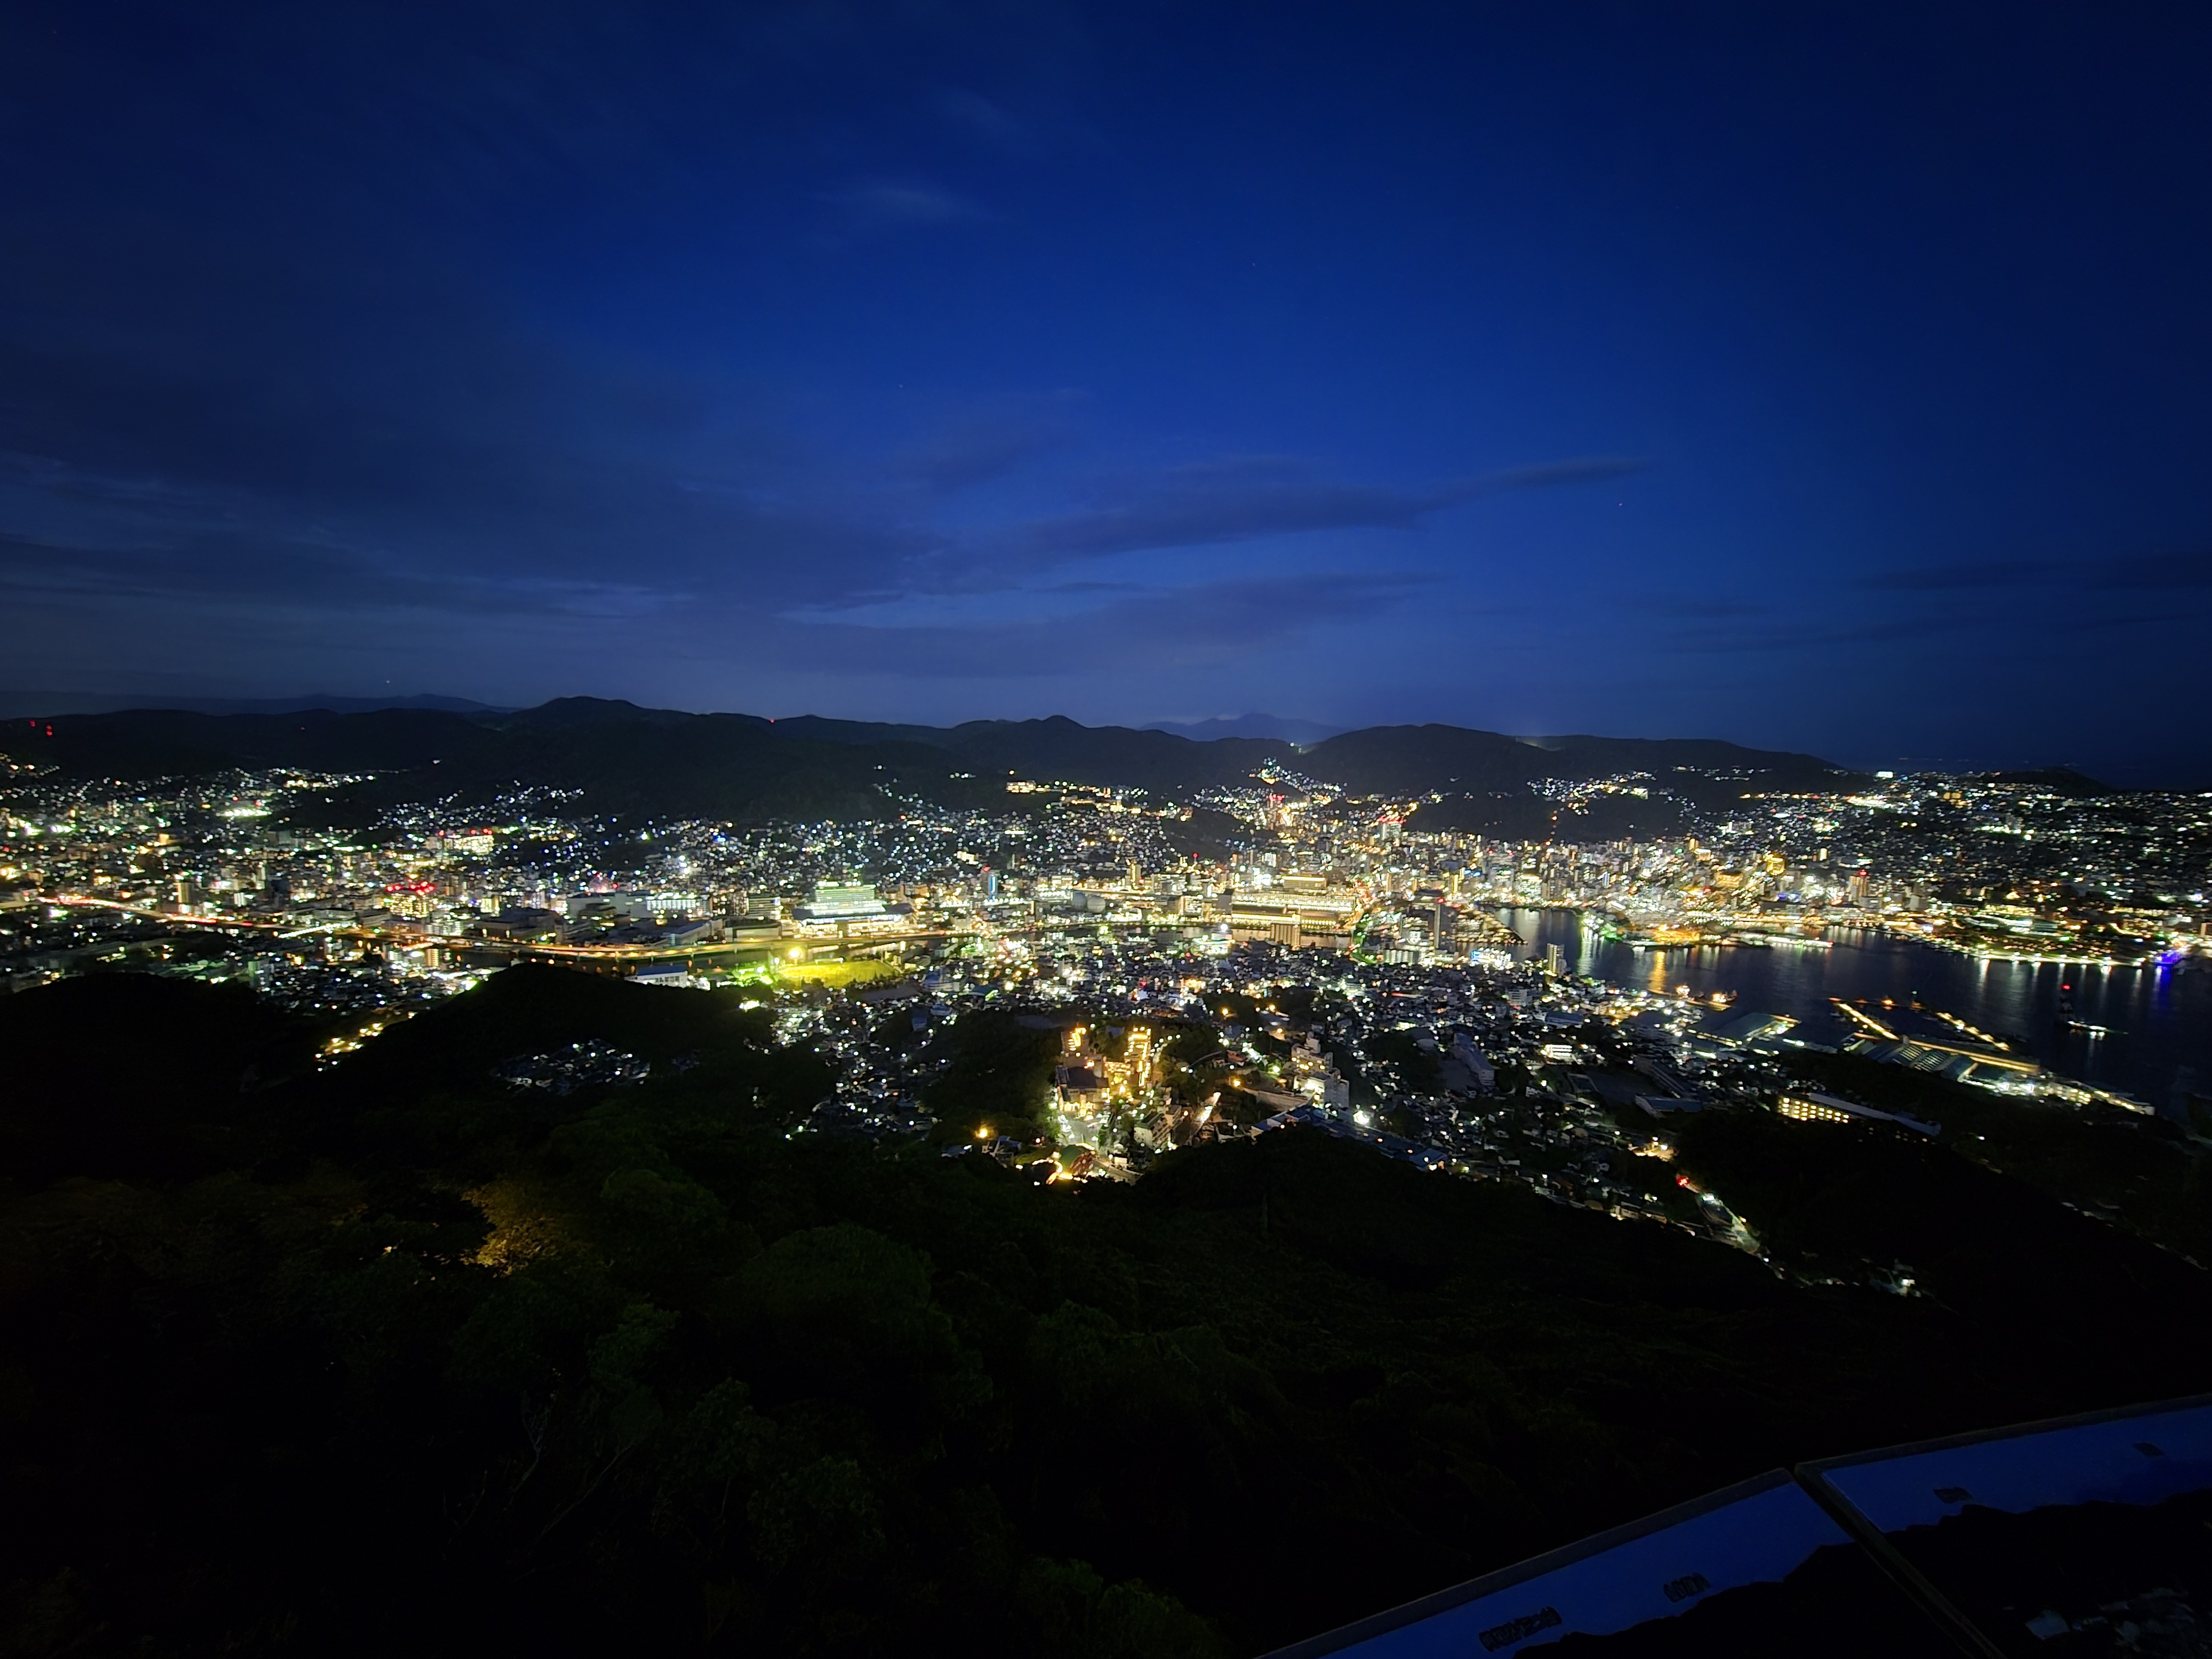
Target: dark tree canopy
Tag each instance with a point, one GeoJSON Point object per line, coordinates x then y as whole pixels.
{"type": "Point", "coordinates": [393, 1353]}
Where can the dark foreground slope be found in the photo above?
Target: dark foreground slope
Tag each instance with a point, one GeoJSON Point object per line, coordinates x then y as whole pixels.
{"type": "Point", "coordinates": [400, 1356]}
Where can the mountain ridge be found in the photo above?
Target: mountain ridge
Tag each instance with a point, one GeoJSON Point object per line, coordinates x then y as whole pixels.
{"type": "Point", "coordinates": [1303, 733]}
{"type": "Point", "coordinates": [631, 759]}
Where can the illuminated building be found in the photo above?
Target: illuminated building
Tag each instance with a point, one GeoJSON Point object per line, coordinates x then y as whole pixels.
{"type": "Point", "coordinates": [1295, 920]}
{"type": "Point", "coordinates": [1827, 1108]}
{"type": "Point", "coordinates": [840, 901]}
{"type": "Point", "coordinates": [1815, 1110]}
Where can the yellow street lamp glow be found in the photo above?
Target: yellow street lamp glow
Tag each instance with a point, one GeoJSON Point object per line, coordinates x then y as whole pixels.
{"type": "Point", "coordinates": [983, 1132]}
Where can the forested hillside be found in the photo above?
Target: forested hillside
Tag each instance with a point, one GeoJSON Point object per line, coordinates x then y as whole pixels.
{"type": "Point", "coordinates": [402, 1353]}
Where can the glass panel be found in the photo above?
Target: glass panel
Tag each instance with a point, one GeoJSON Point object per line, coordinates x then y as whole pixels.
{"type": "Point", "coordinates": [1758, 1568]}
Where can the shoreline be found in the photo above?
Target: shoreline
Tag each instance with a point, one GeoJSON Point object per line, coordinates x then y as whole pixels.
{"type": "Point", "coordinates": [1642, 940]}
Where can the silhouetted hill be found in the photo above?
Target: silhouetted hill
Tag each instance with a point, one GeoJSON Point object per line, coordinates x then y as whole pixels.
{"type": "Point", "coordinates": [824, 730]}
{"type": "Point", "coordinates": [1418, 759]}
{"type": "Point", "coordinates": [531, 1006]}
{"type": "Point", "coordinates": [594, 714]}
{"type": "Point", "coordinates": [1837, 1605]}
{"type": "Point", "coordinates": [1521, 815]}
{"type": "Point", "coordinates": [118, 1074]}
{"type": "Point", "coordinates": [144, 743]}
{"type": "Point", "coordinates": [445, 1363]}
{"type": "Point", "coordinates": [2059, 779]}
{"type": "Point", "coordinates": [1058, 749]}
{"type": "Point", "coordinates": [2099, 1564]}
{"type": "Point", "coordinates": [1840, 1199]}
{"type": "Point", "coordinates": [624, 759]}
{"type": "Point", "coordinates": [629, 759]}
{"type": "Point", "coordinates": [1247, 725]}
{"type": "Point", "coordinates": [1415, 759]}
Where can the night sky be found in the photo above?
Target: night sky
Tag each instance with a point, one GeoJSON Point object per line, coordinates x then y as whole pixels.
{"type": "Point", "coordinates": [1828, 377]}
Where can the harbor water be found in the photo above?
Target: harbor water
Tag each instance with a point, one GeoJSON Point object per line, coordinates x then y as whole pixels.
{"type": "Point", "coordinates": [2156, 1020]}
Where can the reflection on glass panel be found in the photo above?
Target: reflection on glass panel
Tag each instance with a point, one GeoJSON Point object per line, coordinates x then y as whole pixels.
{"type": "Point", "coordinates": [1757, 1569]}
{"type": "Point", "coordinates": [2090, 1535]}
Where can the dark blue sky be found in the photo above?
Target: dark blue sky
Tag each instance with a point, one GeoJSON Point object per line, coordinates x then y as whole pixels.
{"type": "Point", "coordinates": [1826, 376]}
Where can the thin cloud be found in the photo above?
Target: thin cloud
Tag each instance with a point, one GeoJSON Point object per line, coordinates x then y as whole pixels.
{"type": "Point", "coordinates": [1552, 475]}
{"type": "Point", "coordinates": [305, 575]}
{"type": "Point", "coordinates": [881, 209]}
{"type": "Point", "coordinates": [2161, 570]}
{"type": "Point", "coordinates": [1702, 610]}
{"type": "Point", "coordinates": [1207, 623]}
{"type": "Point", "coordinates": [976, 117]}
{"type": "Point", "coordinates": [977, 444]}
{"type": "Point", "coordinates": [1746, 642]}
{"type": "Point", "coordinates": [1954, 578]}
{"type": "Point", "coordinates": [1242, 498]}
{"type": "Point", "coordinates": [2157, 570]}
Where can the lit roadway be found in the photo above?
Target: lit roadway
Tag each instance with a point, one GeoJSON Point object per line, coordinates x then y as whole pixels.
{"type": "Point", "coordinates": [781, 945]}
{"type": "Point", "coordinates": [583, 953]}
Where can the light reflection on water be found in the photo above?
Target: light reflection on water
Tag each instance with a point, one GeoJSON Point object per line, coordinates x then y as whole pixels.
{"type": "Point", "coordinates": [2161, 1018]}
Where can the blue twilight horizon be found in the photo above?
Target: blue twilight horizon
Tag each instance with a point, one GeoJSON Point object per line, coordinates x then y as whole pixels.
{"type": "Point", "coordinates": [1820, 377]}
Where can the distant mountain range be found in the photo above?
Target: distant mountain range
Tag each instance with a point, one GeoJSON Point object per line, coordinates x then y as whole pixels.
{"type": "Point", "coordinates": [630, 760]}
{"type": "Point", "coordinates": [1247, 726]}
